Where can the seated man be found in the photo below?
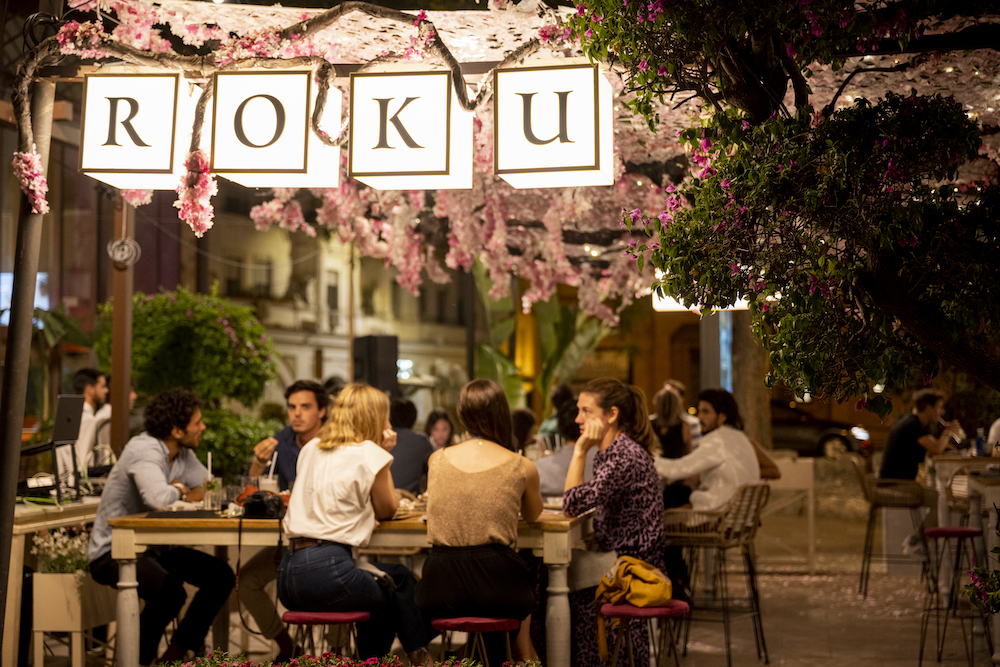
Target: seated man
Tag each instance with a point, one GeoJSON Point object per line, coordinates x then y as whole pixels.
{"type": "Point", "coordinates": [307, 404]}
{"type": "Point", "coordinates": [412, 450]}
{"type": "Point", "coordinates": [725, 460]}
{"type": "Point", "coordinates": [156, 469]}
{"type": "Point", "coordinates": [908, 443]}
{"type": "Point", "coordinates": [92, 384]}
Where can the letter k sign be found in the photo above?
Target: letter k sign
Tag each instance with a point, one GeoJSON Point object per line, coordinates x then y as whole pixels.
{"type": "Point", "coordinates": [400, 124]}
{"type": "Point", "coordinates": [383, 106]}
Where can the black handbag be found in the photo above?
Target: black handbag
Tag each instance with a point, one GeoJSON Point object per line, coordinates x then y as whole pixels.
{"type": "Point", "coordinates": [263, 505]}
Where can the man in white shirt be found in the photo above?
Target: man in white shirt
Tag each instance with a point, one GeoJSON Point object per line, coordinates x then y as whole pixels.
{"type": "Point", "coordinates": [93, 385]}
{"type": "Point", "coordinates": [725, 459]}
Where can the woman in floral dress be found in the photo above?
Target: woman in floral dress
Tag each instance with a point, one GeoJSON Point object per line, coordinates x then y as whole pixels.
{"type": "Point", "coordinates": [625, 492]}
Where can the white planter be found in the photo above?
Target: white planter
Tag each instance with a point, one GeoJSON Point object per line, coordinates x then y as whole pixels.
{"type": "Point", "coordinates": [71, 602]}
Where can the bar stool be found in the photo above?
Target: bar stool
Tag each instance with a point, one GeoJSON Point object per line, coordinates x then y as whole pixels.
{"type": "Point", "coordinates": [475, 626]}
{"type": "Point", "coordinates": [304, 621]}
{"type": "Point", "coordinates": [665, 638]}
{"type": "Point", "coordinates": [939, 541]}
{"type": "Point", "coordinates": [884, 493]}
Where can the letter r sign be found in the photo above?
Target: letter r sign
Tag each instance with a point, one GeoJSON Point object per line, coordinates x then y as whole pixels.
{"type": "Point", "coordinates": [129, 123]}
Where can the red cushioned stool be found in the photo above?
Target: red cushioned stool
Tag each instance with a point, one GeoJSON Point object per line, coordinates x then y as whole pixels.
{"type": "Point", "coordinates": [665, 640]}
{"type": "Point", "coordinates": [304, 621]}
{"type": "Point", "coordinates": [475, 626]}
{"type": "Point", "coordinates": [938, 540]}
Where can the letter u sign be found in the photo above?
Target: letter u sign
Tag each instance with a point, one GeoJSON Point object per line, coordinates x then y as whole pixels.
{"type": "Point", "coordinates": [553, 126]}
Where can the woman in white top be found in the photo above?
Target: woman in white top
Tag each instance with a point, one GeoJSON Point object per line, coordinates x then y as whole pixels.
{"type": "Point", "coordinates": [342, 488]}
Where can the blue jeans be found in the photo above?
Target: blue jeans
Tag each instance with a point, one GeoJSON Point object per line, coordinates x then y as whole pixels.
{"type": "Point", "coordinates": [324, 578]}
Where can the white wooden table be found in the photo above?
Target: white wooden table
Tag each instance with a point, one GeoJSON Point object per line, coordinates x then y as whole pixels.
{"type": "Point", "coordinates": [553, 537]}
{"type": "Point", "coordinates": [796, 476]}
{"type": "Point", "coordinates": [28, 521]}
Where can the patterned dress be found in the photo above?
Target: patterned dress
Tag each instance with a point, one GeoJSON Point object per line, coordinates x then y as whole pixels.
{"type": "Point", "coordinates": [628, 519]}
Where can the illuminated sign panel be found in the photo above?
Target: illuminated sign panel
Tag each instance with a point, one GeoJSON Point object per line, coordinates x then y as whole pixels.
{"type": "Point", "coordinates": [261, 134]}
{"type": "Point", "coordinates": [408, 132]}
{"type": "Point", "coordinates": [553, 126]}
{"type": "Point", "coordinates": [131, 134]}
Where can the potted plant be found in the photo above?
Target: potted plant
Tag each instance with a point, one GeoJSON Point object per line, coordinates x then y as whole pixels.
{"type": "Point", "coordinates": [984, 591]}
{"type": "Point", "coordinates": [65, 597]}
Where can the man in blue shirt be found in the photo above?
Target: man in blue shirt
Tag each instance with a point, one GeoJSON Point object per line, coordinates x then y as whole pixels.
{"type": "Point", "coordinates": [307, 405]}
{"type": "Point", "coordinates": [156, 469]}
{"type": "Point", "coordinates": [412, 450]}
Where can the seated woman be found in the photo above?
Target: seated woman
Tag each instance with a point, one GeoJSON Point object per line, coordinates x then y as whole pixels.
{"type": "Point", "coordinates": [625, 492]}
{"type": "Point", "coordinates": [475, 490]}
{"type": "Point", "coordinates": [343, 487]}
{"type": "Point", "coordinates": [675, 441]}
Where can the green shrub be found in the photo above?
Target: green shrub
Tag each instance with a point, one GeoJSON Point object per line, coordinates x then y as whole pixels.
{"type": "Point", "coordinates": [231, 438]}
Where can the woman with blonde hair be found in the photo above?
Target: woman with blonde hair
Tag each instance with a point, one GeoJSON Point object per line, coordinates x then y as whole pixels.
{"type": "Point", "coordinates": [342, 489]}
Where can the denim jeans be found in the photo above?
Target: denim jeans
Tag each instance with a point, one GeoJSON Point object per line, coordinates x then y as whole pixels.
{"type": "Point", "coordinates": [324, 578]}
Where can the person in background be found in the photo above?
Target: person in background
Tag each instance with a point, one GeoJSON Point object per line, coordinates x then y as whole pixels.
{"type": "Point", "coordinates": [561, 395]}
{"type": "Point", "coordinates": [307, 407]}
{"type": "Point", "coordinates": [694, 425]}
{"type": "Point", "coordinates": [523, 432]}
{"type": "Point", "coordinates": [908, 443]}
{"type": "Point", "coordinates": [552, 469]}
{"type": "Point", "coordinates": [675, 441]}
{"type": "Point", "coordinates": [409, 457]}
{"type": "Point", "coordinates": [93, 385]}
{"type": "Point", "coordinates": [343, 489]}
{"type": "Point", "coordinates": [724, 461]}
{"type": "Point", "coordinates": [439, 429]}
{"type": "Point", "coordinates": [475, 490]}
{"type": "Point", "coordinates": [156, 469]}
{"type": "Point", "coordinates": [625, 492]}
{"type": "Point", "coordinates": [333, 385]}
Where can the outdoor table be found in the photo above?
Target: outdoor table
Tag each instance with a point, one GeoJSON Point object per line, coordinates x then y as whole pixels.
{"type": "Point", "coordinates": [984, 491]}
{"type": "Point", "coordinates": [27, 521]}
{"type": "Point", "coordinates": [553, 537]}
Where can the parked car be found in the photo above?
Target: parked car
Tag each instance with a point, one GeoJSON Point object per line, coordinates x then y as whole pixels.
{"type": "Point", "coordinates": [796, 429]}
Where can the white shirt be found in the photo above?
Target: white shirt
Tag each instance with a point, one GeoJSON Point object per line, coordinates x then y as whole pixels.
{"type": "Point", "coordinates": [331, 497]}
{"type": "Point", "coordinates": [84, 447]}
{"type": "Point", "coordinates": [725, 459]}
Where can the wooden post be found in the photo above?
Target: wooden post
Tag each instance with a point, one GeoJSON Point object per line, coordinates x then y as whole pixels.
{"type": "Point", "coordinates": [121, 331]}
{"type": "Point", "coordinates": [15, 370]}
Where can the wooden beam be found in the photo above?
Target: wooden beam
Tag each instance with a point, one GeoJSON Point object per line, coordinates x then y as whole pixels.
{"type": "Point", "coordinates": [121, 331]}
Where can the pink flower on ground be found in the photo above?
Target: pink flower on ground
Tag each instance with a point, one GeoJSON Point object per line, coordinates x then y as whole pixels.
{"type": "Point", "coordinates": [421, 17]}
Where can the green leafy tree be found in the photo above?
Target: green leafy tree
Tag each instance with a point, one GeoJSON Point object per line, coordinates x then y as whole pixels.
{"type": "Point", "coordinates": [863, 266]}
{"type": "Point", "coordinates": [201, 342]}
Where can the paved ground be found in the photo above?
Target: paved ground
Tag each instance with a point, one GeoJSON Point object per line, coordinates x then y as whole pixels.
{"type": "Point", "coordinates": [814, 620]}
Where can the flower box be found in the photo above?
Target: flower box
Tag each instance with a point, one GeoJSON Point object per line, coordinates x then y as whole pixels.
{"type": "Point", "coordinates": [71, 602]}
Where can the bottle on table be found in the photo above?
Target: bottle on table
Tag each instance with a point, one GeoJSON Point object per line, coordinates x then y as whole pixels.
{"type": "Point", "coordinates": [980, 441]}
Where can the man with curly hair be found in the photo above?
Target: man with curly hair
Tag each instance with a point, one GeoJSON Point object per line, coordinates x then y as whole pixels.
{"type": "Point", "coordinates": [157, 468]}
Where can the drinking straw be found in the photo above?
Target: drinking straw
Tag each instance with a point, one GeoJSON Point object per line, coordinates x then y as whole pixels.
{"type": "Point", "coordinates": [209, 464]}
{"type": "Point", "coordinates": [270, 473]}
